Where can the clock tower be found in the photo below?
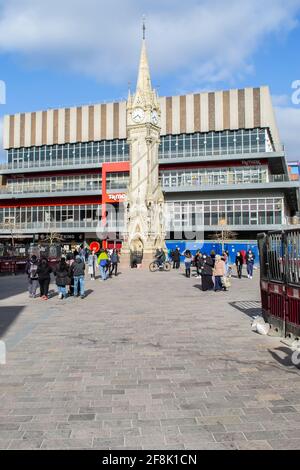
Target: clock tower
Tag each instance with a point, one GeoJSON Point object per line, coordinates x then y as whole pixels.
{"type": "Point", "coordinates": [144, 206]}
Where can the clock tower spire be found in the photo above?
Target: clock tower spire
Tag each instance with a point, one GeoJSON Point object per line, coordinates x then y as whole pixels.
{"type": "Point", "coordinates": [144, 228]}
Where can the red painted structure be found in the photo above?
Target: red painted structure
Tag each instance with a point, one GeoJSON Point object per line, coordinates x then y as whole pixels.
{"type": "Point", "coordinates": [280, 280]}
{"type": "Point", "coordinates": [118, 167]}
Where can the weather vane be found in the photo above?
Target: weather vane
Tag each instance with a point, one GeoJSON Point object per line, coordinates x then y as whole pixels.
{"type": "Point", "coordinates": [144, 27]}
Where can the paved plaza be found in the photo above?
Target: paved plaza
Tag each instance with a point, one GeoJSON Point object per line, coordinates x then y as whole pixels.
{"type": "Point", "coordinates": [146, 361]}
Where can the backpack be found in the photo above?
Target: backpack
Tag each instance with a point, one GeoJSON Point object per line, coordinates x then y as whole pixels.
{"type": "Point", "coordinates": [33, 271]}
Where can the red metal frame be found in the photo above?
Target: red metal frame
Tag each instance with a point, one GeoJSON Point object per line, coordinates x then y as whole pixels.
{"type": "Point", "coordinates": [117, 167]}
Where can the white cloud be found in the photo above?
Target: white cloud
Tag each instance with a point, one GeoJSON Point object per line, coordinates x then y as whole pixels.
{"type": "Point", "coordinates": [200, 41]}
{"type": "Point", "coordinates": [288, 119]}
{"type": "Point", "coordinates": [281, 100]}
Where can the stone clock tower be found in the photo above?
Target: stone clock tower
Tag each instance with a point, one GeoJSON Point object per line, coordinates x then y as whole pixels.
{"type": "Point", "coordinates": [144, 206]}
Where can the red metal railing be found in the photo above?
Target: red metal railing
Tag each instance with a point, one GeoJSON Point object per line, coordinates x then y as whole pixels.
{"type": "Point", "coordinates": [280, 280]}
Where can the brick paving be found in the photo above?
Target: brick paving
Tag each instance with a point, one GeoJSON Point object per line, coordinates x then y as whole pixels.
{"type": "Point", "coordinates": [146, 361]}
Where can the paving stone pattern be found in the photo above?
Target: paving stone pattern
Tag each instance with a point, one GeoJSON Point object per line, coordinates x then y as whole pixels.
{"type": "Point", "coordinates": [145, 361]}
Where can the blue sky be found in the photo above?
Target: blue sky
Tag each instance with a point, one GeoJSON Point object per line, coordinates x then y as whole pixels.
{"type": "Point", "coordinates": [70, 52]}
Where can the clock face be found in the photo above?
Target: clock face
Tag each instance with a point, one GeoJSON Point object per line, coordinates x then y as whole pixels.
{"type": "Point", "coordinates": [154, 118]}
{"type": "Point", "coordinates": [138, 115]}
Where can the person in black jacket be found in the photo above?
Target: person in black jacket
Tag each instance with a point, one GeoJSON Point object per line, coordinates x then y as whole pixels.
{"type": "Point", "coordinates": [239, 261]}
{"type": "Point", "coordinates": [176, 259]}
{"type": "Point", "coordinates": [250, 259]}
{"type": "Point", "coordinates": [114, 259]}
{"type": "Point", "coordinates": [206, 268]}
{"type": "Point", "coordinates": [62, 273]}
{"type": "Point", "coordinates": [44, 270]}
{"type": "Point", "coordinates": [78, 269]}
{"type": "Point", "coordinates": [197, 261]}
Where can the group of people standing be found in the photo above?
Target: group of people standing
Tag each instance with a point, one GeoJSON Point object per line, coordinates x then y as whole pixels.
{"type": "Point", "coordinates": [107, 263]}
{"type": "Point", "coordinates": [247, 259]}
{"type": "Point", "coordinates": [69, 276]}
{"type": "Point", "coordinates": [213, 269]}
{"type": "Point", "coordinates": [208, 268]}
{"type": "Point", "coordinates": [69, 272]}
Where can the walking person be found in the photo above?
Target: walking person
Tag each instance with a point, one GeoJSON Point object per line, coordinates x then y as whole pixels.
{"type": "Point", "coordinates": [250, 259]}
{"type": "Point", "coordinates": [176, 259]}
{"type": "Point", "coordinates": [219, 272]}
{"type": "Point", "coordinates": [225, 258]}
{"type": "Point", "coordinates": [70, 262]}
{"type": "Point", "coordinates": [197, 262]}
{"type": "Point", "coordinates": [33, 278]}
{"type": "Point", "coordinates": [62, 274]}
{"type": "Point", "coordinates": [239, 261]}
{"type": "Point", "coordinates": [78, 269]}
{"type": "Point", "coordinates": [108, 265]}
{"type": "Point", "coordinates": [188, 262]}
{"type": "Point", "coordinates": [44, 271]}
{"type": "Point", "coordinates": [92, 263]}
{"type": "Point", "coordinates": [114, 259]}
{"type": "Point", "coordinates": [206, 269]}
{"type": "Point", "coordinates": [103, 262]}
{"type": "Point", "coordinates": [171, 258]}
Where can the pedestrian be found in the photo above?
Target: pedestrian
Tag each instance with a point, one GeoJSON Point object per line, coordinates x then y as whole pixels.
{"type": "Point", "coordinates": [82, 253]}
{"type": "Point", "coordinates": [103, 262]}
{"type": "Point", "coordinates": [176, 259]}
{"type": "Point", "coordinates": [44, 271]}
{"type": "Point", "coordinates": [62, 274]}
{"type": "Point", "coordinates": [197, 262]}
{"type": "Point", "coordinates": [225, 258]}
{"type": "Point", "coordinates": [250, 259]}
{"type": "Point", "coordinates": [70, 262]}
{"type": "Point", "coordinates": [239, 261]}
{"type": "Point", "coordinates": [33, 278]}
{"type": "Point", "coordinates": [219, 272]}
{"type": "Point", "coordinates": [114, 262]}
{"type": "Point", "coordinates": [188, 262]}
{"type": "Point", "coordinates": [171, 257]}
{"type": "Point", "coordinates": [78, 269]}
{"type": "Point", "coordinates": [92, 263]}
{"type": "Point", "coordinates": [213, 256]}
{"type": "Point", "coordinates": [206, 269]}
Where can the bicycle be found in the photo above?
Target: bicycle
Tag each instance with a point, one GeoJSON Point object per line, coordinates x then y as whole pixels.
{"type": "Point", "coordinates": [154, 266]}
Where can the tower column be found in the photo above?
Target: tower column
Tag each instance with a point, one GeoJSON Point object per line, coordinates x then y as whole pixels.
{"type": "Point", "coordinates": [144, 230]}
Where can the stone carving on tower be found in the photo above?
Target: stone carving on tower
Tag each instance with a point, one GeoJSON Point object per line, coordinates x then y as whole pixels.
{"type": "Point", "coordinates": [144, 205]}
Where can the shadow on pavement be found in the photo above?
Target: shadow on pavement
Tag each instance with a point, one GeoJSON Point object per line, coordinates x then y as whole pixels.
{"type": "Point", "coordinates": [12, 285]}
{"type": "Point", "coordinates": [198, 286]}
{"type": "Point", "coordinates": [249, 307]}
{"type": "Point", "coordinates": [88, 292]}
{"type": "Point", "coordinates": [286, 360]}
{"type": "Point", "coordinates": [7, 316]}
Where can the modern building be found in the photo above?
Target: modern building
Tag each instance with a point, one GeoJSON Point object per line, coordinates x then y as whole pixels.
{"type": "Point", "coordinates": [220, 153]}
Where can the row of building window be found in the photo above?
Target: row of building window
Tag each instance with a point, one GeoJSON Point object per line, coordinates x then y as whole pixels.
{"type": "Point", "coordinates": [65, 183]}
{"type": "Point", "coordinates": [179, 146]}
{"type": "Point", "coordinates": [234, 212]}
{"type": "Point", "coordinates": [213, 176]}
{"type": "Point", "coordinates": [228, 212]}
{"type": "Point", "coordinates": [119, 181]}
{"type": "Point", "coordinates": [216, 143]}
